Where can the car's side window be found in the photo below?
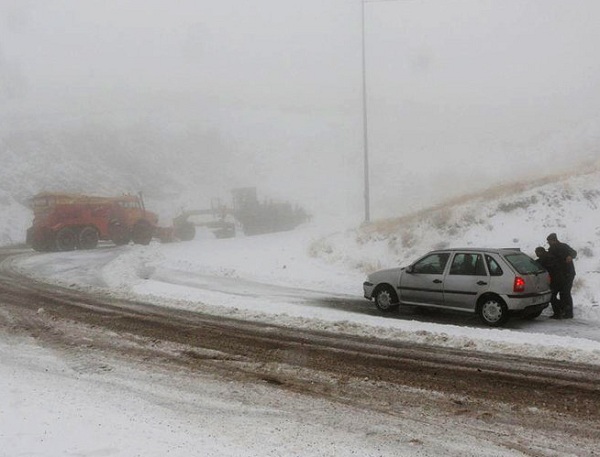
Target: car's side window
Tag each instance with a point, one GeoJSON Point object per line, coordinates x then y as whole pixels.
{"type": "Point", "coordinates": [493, 266]}
{"type": "Point", "coordinates": [480, 267]}
{"type": "Point", "coordinates": [433, 264]}
{"type": "Point", "coordinates": [467, 264]}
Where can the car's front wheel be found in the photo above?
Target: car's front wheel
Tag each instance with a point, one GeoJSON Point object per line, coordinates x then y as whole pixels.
{"type": "Point", "coordinates": [386, 299]}
{"type": "Point", "coordinates": [493, 311]}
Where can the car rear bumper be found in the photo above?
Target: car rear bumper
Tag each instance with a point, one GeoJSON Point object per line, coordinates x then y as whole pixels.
{"type": "Point", "coordinates": [530, 310]}
{"type": "Point", "coordinates": [527, 301]}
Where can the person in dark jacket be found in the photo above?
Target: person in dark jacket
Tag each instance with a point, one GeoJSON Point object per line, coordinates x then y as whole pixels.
{"type": "Point", "coordinates": [556, 279]}
{"type": "Point", "coordinates": [564, 255]}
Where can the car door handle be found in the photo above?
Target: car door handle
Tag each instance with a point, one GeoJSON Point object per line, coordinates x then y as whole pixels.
{"type": "Point", "coordinates": [481, 283]}
{"type": "Point", "coordinates": [437, 281]}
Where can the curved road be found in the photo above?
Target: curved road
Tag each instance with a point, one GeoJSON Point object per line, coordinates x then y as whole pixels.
{"type": "Point", "coordinates": [494, 393]}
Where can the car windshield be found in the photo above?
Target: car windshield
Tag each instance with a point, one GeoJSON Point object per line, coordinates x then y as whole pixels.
{"type": "Point", "coordinates": [523, 263]}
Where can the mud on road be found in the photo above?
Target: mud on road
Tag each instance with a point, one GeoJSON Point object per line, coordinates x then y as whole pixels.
{"type": "Point", "coordinates": [505, 396]}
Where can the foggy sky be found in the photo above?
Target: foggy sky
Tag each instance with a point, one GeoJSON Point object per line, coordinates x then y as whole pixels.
{"type": "Point", "coordinates": [461, 93]}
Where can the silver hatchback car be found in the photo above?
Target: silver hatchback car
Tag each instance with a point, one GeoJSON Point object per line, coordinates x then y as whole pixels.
{"type": "Point", "coordinates": [494, 283]}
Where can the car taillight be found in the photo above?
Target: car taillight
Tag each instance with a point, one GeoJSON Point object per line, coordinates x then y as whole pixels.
{"type": "Point", "coordinates": [519, 284]}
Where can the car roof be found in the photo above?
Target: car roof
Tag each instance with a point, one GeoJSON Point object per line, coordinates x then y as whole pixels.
{"type": "Point", "coordinates": [471, 249]}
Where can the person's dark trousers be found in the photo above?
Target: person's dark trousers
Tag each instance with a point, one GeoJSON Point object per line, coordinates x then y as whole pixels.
{"type": "Point", "coordinates": [565, 298]}
{"type": "Point", "coordinates": [555, 303]}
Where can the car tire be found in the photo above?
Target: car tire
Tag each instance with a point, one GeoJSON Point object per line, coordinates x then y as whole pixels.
{"type": "Point", "coordinates": [386, 299]}
{"type": "Point", "coordinates": [493, 311]}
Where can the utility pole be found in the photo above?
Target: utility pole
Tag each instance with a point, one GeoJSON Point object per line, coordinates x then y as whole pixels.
{"type": "Point", "coordinates": [365, 121]}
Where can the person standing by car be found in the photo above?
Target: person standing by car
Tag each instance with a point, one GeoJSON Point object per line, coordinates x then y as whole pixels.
{"type": "Point", "coordinates": [564, 255]}
{"type": "Point", "coordinates": [556, 279]}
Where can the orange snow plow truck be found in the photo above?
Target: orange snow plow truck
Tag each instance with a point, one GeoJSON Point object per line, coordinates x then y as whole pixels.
{"type": "Point", "coordinates": [64, 222]}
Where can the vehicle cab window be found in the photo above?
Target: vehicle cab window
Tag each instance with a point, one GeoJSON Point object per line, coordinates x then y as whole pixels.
{"type": "Point", "coordinates": [468, 265]}
{"type": "Point", "coordinates": [433, 264]}
{"type": "Point", "coordinates": [495, 269]}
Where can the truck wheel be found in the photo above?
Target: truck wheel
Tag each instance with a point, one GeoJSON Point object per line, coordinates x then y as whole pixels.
{"type": "Point", "coordinates": [118, 233]}
{"type": "Point", "coordinates": [142, 233]}
{"type": "Point", "coordinates": [88, 238]}
{"type": "Point", "coordinates": [44, 242]}
{"type": "Point", "coordinates": [66, 239]}
{"type": "Point", "coordinates": [185, 231]}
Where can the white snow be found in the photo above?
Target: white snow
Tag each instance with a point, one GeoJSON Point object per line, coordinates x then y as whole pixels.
{"type": "Point", "coordinates": [53, 407]}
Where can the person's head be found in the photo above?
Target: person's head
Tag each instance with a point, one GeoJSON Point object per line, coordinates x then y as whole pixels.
{"type": "Point", "coordinates": [552, 239]}
{"type": "Point", "coordinates": [540, 251]}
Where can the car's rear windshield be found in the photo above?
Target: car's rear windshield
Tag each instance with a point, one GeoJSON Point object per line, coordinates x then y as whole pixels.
{"type": "Point", "coordinates": [523, 263]}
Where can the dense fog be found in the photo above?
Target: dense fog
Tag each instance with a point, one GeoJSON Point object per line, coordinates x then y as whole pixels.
{"type": "Point", "coordinates": [187, 100]}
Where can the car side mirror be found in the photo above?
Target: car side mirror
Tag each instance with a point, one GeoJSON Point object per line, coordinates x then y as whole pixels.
{"type": "Point", "coordinates": [409, 269]}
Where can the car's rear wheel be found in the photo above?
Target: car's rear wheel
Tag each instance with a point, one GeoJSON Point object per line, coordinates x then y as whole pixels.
{"type": "Point", "coordinates": [386, 299]}
{"type": "Point", "coordinates": [493, 311]}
